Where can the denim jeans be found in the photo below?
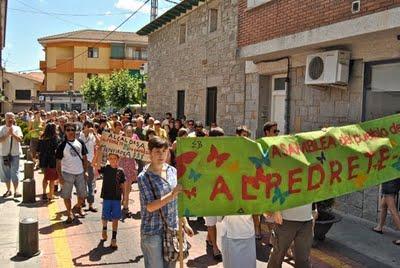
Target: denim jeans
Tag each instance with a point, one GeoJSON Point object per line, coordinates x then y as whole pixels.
{"type": "Point", "coordinates": [91, 184]}
{"type": "Point", "coordinates": [153, 252]}
{"type": "Point", "coordinates": [10, 172]}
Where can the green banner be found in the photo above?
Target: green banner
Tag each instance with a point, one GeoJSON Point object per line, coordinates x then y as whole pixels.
{"type": "Point", "coordinates": [235, 175]}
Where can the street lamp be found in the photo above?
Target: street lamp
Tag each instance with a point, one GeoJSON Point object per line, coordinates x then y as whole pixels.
{"type": "Point", "coordinates": [142, 85]}
{"type": "Point", "coordinates": [70, 92]}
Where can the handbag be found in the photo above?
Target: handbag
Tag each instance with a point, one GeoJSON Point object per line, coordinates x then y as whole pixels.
{"type": "Point", "coordinates": [7, 158]}
{"type": "Point", "coordinates": [171, 236]}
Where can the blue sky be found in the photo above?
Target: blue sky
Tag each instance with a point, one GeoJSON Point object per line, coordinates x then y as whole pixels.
{"type": "Point", "coordinates": [25, 25]}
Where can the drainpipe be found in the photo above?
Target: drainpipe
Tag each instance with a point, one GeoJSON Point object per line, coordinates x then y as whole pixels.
{"type": "Point", "coordinates": [287, 87]}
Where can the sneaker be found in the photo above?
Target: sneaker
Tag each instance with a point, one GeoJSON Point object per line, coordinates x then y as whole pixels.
{"type": "Point", "coordinates": [92, 209]}
{"type": "Point", "coordinates": [7, 194]}
{"type": "Point", "coordinates": [16, 195]}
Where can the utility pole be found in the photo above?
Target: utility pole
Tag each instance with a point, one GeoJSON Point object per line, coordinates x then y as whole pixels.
{"type": "Point", "coordinates": [154, 10]}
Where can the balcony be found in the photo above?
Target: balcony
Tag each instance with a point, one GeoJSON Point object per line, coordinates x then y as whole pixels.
{"type": "Point", "coordinates": [117, 64]}
{"type": "Point", "coordinates": [64, 87]}
{"type": "Point", "coordinates": [43, 65]}
{"type": "Point", "coordinates": [65, 65]}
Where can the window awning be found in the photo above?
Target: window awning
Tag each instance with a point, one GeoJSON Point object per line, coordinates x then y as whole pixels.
{"type": "Point", "coordinates": [169, 16]}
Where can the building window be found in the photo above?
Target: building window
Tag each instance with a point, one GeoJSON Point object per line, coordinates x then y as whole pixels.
{"type": "Point", "coordinates": [136, 55]}
{"type": "Point", "coordinates": [182, 33]}
{"type": "Point", "coordinates": [23, 94]}
{"type": "Point", "coordinates": [213, 20]}
{"type": "Point", "coordinates": [256, 3]}
{"type": "Point", "coordinates": [129, 52]}
{"type": "Point", "coordinates": [117, 51]}
{"type": "Point", "coordinates": [211, 106]}
{"type": "Point", "coordinates": [144, 54]}
{"type": "Point", "coordinates": [279, 83]}
{"type": "Point", "coordinates": [90, 75]}
{"type": "Point", "coordinates": [180, 110]}
{"type": "Point", "coordinates": [93, 52]}
{"type": "Point", "coordinates": [381, 89]}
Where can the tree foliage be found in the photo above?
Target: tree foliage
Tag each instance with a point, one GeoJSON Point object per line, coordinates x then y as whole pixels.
{"type": "Point", "coordinates": [94, 91]}
{"type": "Point", "coordinates": [122, 89]}
{"type": "Point", "coordinates": [118, 91]}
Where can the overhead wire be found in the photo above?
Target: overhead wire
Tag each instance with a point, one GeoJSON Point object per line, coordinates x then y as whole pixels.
{"type": "Point", "coordinates": [47, 13]}
{"type": "Point", "coordinates": [95, 43]}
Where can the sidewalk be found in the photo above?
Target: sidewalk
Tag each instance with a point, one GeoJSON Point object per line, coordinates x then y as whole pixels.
{"type": "Point", "coordinates": [349, 243]}
{"type": "Point", "coordinates": [353, 236]}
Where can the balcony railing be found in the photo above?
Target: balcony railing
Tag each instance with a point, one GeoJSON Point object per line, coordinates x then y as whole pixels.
{"type": "Point", "coordinates": [116, 64]}
{"type": "Point", "coordinates": [65, 65]}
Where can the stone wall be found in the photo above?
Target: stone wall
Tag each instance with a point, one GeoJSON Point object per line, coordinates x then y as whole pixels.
{"type": "Point", "coordinates": [204, 60]}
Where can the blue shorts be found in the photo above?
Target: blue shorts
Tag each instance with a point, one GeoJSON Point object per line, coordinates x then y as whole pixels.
{"type": "Point", "coordinates": [111, 210]}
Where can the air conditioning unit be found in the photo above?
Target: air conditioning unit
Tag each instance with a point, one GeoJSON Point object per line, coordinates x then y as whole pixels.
{"type": "Point", "coordinates": [327, 68]}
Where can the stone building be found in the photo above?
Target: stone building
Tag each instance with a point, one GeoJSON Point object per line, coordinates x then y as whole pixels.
{"type": "Point", "coordinates": [193, 66]}
{"type": "Point", "coordinates": [276, 37]}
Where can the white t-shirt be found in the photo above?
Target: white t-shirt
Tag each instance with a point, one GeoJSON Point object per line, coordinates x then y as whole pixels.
{"type": "Point", "coordinates": [90, 143]}
{"type": "Point", "coordinates": [302, 213]}
{"type": "Point", "coordinates": [238, 226]}
{"type": "Point", "coordinates": [70, 161]}
{"type": "Point", "coordinates": [5, 145]}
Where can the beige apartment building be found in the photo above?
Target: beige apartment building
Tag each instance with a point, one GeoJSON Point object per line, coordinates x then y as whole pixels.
{"type": "Point", "coordinates": [72, 57]}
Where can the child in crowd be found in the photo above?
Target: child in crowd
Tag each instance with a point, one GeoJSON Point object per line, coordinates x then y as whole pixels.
{"type": "Point", "coordinates": [111, 191]}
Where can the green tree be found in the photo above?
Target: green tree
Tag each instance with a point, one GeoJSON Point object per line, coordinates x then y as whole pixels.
{"type": "Point", "coordinates": [94, 91]}
{"type": "Point", "coordinates": [123, 89]}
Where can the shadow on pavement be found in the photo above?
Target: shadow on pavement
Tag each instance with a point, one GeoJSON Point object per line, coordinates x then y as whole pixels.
{"type": "Point", "coordinates": [203, 261]}
{"type": "Point", "coordinates": [58, 225]}
{"type": "Point", "coordinates": [97, 253]}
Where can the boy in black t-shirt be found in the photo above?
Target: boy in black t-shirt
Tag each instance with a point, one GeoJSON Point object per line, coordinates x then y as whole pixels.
{"type": "Point", "coordinates": [113, 181]}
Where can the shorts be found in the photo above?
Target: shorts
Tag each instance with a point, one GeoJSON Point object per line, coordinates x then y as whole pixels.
{"type": "Point", "coordinates": [111, 210]}
{"type": "Point", "coordinates": [33, 145]}
{"type": "Point", "coordinates": [69, 181]}
{"type": "Point", "coordinates": [10, 172]}
{"type": "Point", "coordinates": [391, 187]}
{"type": "Point", "coordinates": [210, 221]}
{"type": "Point", "coordinates": [50, 174]}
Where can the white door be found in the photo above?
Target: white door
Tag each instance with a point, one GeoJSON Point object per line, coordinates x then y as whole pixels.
{"type": "Point", "coordinates": [278, 97]}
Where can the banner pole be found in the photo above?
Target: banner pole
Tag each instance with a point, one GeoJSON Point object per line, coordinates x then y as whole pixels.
{"type": "Point", "coordinates": [180, 236]}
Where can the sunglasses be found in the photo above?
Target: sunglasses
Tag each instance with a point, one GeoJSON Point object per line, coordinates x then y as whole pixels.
{"type": "Point", "coordinates": [276, 131]}
{"type": "Point", "coordinates": [69, 129]}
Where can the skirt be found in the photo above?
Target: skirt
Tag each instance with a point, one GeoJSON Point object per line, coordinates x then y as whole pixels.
{"type": "Point", "coordinates": [391, 187]}
{"type": "Point", "coordinates": [239, 253]}
{"type": "Point", "coordinates": [50, 174]}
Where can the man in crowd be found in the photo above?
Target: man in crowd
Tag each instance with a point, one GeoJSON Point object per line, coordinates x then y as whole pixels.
{"type": "Point", "coordinates": [71, 158]}
{"type": "Point", "coordinates": [10, 141]}
{"type": "Point", "coordinates": [168, 117]}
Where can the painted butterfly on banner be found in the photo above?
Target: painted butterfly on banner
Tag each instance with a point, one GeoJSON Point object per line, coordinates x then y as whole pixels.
{"type": "Point", "coordinates": [259, 162]}
{"type": "Point", "coordinates": [193, 175]}
{"type": "Point", "coordinates": [396, 164]}
{"type": "Point", "coordinates": [278, 195]}
{"type": "Point", "coordinates": [219, 158]}
{"type": "Point", "coordinates": [182, 161]}
{"type": "Point", "coordinates": [191, 193]}
{"type": "Point", "coordinates": [321, 158]}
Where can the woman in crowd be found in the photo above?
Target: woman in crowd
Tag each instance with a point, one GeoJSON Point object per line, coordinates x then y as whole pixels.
{"type": "Point", "coordinates": [35, 127]}
{"type": "Point", "coordinates": [130, 170]}
{"type": "Point", "coordinates": [158, 191]}
{"type": "Point", "coordinates": [47, 159]}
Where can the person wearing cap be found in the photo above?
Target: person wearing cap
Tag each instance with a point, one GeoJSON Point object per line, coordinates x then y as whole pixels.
{"type": "Point", "coordinates": [160, 132]}
{"type": "Point", "coordinates": [271, 129]}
